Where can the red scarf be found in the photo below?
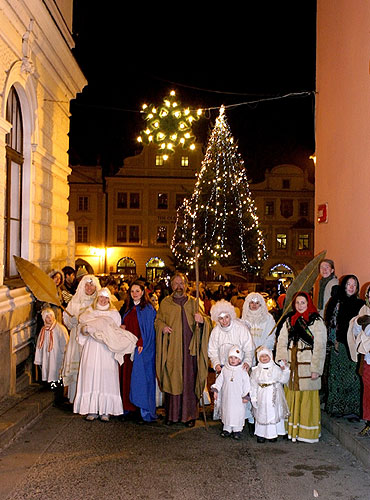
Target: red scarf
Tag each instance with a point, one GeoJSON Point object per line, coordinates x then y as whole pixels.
{"type": "Point", "coordinates": [41, 339]}
{"type": "Point", "coordinates": [310, 308]}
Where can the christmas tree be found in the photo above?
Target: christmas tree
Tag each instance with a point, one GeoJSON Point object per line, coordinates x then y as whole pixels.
{"type": "Point", "coordinates": [220, 218]}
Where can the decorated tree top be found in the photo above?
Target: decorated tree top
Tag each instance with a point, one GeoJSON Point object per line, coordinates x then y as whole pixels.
{"type": "Point", "coordinates": [169, 125]}
{"type": "Point", "coordinates": [220, 218]}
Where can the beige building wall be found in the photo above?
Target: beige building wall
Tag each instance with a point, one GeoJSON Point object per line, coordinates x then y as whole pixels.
{"type": "Point", "coordinates": [285, 205]}
{"type": "Point", "coordinates": [36, 60]}
{"type": "Point", "coordinates": [342, 134]}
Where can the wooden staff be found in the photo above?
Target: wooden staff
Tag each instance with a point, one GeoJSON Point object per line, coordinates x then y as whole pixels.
{"type": "Point", "coordinates": [197, 308]}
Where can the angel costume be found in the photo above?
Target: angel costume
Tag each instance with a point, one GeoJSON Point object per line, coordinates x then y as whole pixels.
{"type": "Point", "coordinates": [104, 345]}
{"type": "Point", "coordinates": [268, 399]}
{"type": "Point", "coordinates": [50, 347]}
{"type": "Point", "coordinates": [223, 338]}
{"type": "Point", "coordinates": [260, 322]}
{"type": "Point", "coordinates": [234, 383]}
{"type": "Point", "coordinates": [79, 302]}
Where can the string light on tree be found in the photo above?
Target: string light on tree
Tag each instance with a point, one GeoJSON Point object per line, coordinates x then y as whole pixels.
{"type": "Point", "coordinates": [220, 218]}
{"type": "Point", "coordinates": [169, 125]}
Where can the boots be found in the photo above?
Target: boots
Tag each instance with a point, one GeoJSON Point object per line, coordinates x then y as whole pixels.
{"type": "Point", "coordinates": [251, 428]}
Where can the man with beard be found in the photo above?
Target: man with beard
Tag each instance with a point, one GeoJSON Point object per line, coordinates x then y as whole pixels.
{"type": "Point", "coordinates": [182, 334]}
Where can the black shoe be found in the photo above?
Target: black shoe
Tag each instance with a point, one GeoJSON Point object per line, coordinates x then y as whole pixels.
{"type": "Point", "coordinates": [273, 440]}
{"type": "Point", "coordinates": [168, 422]}
{"type": "Point", "coordinates": [251, 428]}
{"type": "Point", "coordinates": [237, 435]}
{"type": "Point", "coordinates": [190, 423]}
{"type": "Point", "coordinates": [225, 434]}
{"type": "Point", "coordinates": [260, 439]}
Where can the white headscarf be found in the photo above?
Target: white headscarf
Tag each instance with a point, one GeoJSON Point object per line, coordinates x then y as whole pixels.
{"type": "Point", "coordinates": [264, 350]}
{"type": "Point", "coordinates": [254, 316]}
{"type": "Point", "coordinates": [80, 299]}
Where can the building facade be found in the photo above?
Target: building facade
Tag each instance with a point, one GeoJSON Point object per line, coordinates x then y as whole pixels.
{"type": "Point", "coordinates": [285, 204]}
{"type": "Point", "coordinates": [140, 212]}
{"type": "Point", "coordinates": [342, 136]}
{"type": "Point", "coordinates": [38, 78]}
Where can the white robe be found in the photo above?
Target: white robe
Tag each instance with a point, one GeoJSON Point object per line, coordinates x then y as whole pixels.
{"type": "Point", "coordinates": [222, 339]}
{"type": "Point", "coordinates": [98, 390]}
{"type": "Point", "coordinates": [51, 361]}
{"type": "Point", "coordinates": [233, 383]}
{"type": "Point", "coordinates": [79, 303]}
{"type": "Point", "coordinates": [268, 400]}
{"type": "Point", "coordinates": [220, 342]}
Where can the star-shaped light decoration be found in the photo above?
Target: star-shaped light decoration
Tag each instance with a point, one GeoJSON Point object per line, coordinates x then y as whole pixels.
{"type": "Point", "coordinates": [169, 125]}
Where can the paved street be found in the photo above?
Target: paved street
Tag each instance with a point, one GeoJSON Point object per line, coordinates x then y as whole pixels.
{"type": "Point", "coordinates": [63, 456]}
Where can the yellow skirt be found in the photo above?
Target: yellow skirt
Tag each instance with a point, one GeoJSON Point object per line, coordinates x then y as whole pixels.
{"type": "Point", "coordinates": [304, 421]}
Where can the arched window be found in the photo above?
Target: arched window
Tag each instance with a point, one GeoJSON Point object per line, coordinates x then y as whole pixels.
{"type": "Point", "coordinates": [127, 267]}
{"type": "Point", "coordinates": [13, 189]}
{"type": "Point", "coordinates": [154, 268]}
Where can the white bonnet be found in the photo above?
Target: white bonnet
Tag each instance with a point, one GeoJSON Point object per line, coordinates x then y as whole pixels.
{"type": "Point", "coordinates": [222, 307]}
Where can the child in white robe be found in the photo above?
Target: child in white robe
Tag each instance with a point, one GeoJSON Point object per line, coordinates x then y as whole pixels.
{"type": "Point", "coordinates": [233, 382]}
{"type": "Point", "coordinates": [267, 395]}
{"type": "Point", "coordinates": [50, 346]}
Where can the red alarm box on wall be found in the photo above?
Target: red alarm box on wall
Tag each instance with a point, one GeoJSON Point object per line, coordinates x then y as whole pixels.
{"type": "Point", "coordinates": [322, 213]}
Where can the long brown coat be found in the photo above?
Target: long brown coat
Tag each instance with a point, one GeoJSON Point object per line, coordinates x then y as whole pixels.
{"type": "Point", "coordinates": [169, 347]}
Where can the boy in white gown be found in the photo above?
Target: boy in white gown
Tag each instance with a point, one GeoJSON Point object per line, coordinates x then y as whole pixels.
{"type": "Point", "coordinates": [233, 382]}
{"type": "Point", "coordinates": [50, 346]}
{"type": "Point", "coordinates": [104, 345]}
{"type": "Point", "coordinates": [267, 395]}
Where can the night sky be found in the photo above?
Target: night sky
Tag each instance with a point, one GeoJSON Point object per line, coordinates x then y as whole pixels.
{"type": "Point", "coordinates": [222, 55]}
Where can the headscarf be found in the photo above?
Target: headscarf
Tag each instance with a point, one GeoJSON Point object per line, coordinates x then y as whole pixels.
{"type": "Point", "coordinates": [264, 350]}
{"type": "Point", "coordinates": [80, 296]}
{"type": "Point", "coordinates": [47, 311]}
{"type": "Point", "coordinates": [307, 313]}
{"type": "Point", "coordinates": [258, 315]}
{"type": "Point", "coordinates": [105, 292]}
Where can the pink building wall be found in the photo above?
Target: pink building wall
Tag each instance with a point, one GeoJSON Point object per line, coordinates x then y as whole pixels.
{"type": "Point", "coordinates": [343, 134]}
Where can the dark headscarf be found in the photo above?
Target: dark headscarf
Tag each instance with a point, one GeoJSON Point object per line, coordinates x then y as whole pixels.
{"type": "Point", "coordinates": [342, 308]}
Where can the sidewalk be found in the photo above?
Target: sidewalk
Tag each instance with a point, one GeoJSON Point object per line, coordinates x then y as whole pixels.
{"type": "Point", "coordinates": [16, 412]}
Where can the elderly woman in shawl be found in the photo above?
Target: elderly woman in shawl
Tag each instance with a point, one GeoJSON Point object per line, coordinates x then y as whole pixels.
{"type": "Point", "coordinates": [83, 298]}
{"type": "Point", "coordinates": [104, 345]}
{"type": "Point", "coordinates": [302, 342]}
{"type": "Point", "coordinates": [259, 321]}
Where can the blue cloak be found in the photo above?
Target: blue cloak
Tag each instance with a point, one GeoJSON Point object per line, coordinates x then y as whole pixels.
{"type": "Point", "coordinates": [143, 387]}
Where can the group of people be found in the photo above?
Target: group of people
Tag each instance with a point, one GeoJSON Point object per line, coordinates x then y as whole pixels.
{"type": "Point", "coordinates": [159, 347]}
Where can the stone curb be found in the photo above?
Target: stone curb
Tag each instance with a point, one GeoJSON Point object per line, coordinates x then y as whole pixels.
{"type": "Point", "coordinates": [347, 435]}
{"type": "Point", "coordinates": [21, 412]}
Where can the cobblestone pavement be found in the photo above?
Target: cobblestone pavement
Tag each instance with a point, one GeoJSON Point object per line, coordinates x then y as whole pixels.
{"type": "Point", "coordinates": [63, 456]}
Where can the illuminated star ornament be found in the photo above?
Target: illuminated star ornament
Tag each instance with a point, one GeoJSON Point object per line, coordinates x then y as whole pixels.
{"type": "Point", "coordinates": [220, 218]}
{"type": "Point", "coordinates": [169, 125]}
